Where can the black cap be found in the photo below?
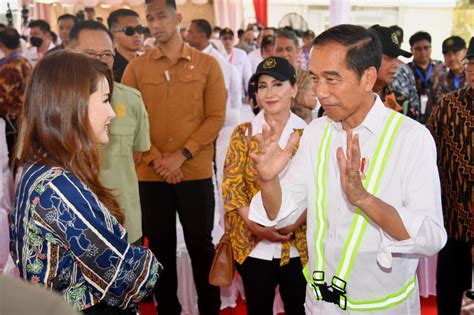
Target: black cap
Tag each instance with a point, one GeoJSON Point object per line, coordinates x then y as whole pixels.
{"type": "Point", "coordinates": [226, 31]}
{"type": "Point", "coordinates": [389, 41]}
{"type": "Point", "coordinates": [453, 43]}
{"type": "Point", "coordinates": [470, 49]}
{"type": "Point", "coordinates": [399, 32]}
{"type": "Point", "coordinates": [276, 67]}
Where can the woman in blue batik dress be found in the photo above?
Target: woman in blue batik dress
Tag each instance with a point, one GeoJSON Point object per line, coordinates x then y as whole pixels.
{"type": "Point", "coordinates": [66, 227]}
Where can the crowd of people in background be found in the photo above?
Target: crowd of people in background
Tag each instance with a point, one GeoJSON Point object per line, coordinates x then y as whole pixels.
{"type": "Point", "coordinates": [108, 154]}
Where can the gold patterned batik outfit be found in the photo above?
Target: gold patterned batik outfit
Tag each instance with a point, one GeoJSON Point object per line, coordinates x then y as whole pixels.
{"type": "Point", "coordinates": [240, 184]}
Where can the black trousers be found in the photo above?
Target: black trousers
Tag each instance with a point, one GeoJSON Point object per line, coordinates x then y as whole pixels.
{"type": "Point", "coordinates": [453, 276]}
{"type": "Point", "coordinates": [194, 202]}
{"type": "Point", "coordinates": [260, 278]}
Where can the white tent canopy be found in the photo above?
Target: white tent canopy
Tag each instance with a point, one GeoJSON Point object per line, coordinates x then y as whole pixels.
{"type": "Point", "coordinates": [92, 3]}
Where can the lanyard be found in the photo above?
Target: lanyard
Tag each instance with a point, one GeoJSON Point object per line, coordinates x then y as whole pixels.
{"type": "Point", "coordinates": [427, 78]}
{"type": "Point", "coordinates": [7, 59]}
{"type": "Point", "coordinates": [456, 82]}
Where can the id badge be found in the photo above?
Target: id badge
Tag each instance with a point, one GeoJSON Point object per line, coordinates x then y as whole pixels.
{"type": "Point", "coordinates": [423, 101]}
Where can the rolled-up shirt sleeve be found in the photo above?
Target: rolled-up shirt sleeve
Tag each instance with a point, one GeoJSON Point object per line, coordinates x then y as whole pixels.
{"type": "Point", "coordinates": [421, 210]}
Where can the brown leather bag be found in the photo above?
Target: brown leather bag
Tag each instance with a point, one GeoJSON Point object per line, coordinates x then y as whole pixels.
{"type": "Point", "coordinates": [223, 266]}
{"type": "Point", "coordinates": [222, 271]}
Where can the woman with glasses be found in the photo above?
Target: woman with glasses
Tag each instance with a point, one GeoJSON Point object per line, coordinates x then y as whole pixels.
{"type": "Point", "coordinates": [66, 227]}
{"type": "Point", "coordinates": [265, 256]}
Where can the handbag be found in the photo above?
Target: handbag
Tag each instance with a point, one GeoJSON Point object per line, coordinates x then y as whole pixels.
{"type": "Point", "coordinates": [222, 271]}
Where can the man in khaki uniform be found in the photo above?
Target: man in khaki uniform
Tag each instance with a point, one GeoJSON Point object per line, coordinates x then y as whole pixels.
{"type": "Point", "coordinates": [129, 132]}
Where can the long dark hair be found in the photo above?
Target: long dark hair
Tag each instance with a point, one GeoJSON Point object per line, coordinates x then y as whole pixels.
{"type": "Point", "coordinates": [55, 127]}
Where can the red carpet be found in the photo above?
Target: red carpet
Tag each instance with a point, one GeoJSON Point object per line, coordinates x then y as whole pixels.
{"type": "Point", "coordinates": [428, 307]}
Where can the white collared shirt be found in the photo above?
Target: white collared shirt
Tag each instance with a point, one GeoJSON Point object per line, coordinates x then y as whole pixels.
{"type": "Point", "coordinates": [255, 58]}
{"type": "Point", "coordinates": [265, 249]}
{"type": "Point", "coordinates": [239, 58]}
{"type": "Point", "coordinates": [410, 184]}
{"type": "Point", "coordinates": [234, 89]}
{"type": "Point", "coordinates": [33, 56]}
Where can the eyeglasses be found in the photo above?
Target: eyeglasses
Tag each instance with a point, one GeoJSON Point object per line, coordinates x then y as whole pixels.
{"type": "Point", "coordinates": [227, 38]}
{"type": "Point", "coordinates": [130, 30]}
{"type": "Point", "coordinates": [469, 66]}
{"type": "Point", "coordinates": [106, 56]}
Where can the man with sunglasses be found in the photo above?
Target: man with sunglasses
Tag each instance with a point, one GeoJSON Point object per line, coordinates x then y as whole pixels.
{"type": "Point", "coordinates": [425, 70]}
{"type": "Point", "coordinates": [451, 125]}
{"type": "Point", "coordinates": [128, 36]}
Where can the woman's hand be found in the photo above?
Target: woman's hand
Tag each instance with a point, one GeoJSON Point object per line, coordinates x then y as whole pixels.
{"type": "Point", "coordinates": [271, 160]}
{"type": "Point", "coordinates": [268, 233]}
{"type": "Point", "coordinates": [262, 232]}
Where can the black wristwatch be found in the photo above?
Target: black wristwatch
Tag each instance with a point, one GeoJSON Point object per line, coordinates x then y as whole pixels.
{"type": "Point", "coordinates": [186, 153]}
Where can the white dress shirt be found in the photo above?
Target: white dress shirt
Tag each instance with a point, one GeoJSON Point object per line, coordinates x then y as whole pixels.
{"type": "Point", "coordinates": [239, 58]}
{"type": "Point", "coordinates": [255, 58]}
{"type": "Point", "coordinates": [265, 249]}
{"type": "Point", "coordinates": [234, 89]}
{"type": "Point", "coordinates": [5, 198]}
{"type": "Point", "coordinates": [410, 184]}
{"type": "Point", "coordinates": [32, 54]}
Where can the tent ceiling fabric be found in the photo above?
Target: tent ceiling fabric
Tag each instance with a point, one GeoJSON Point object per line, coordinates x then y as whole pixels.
{"type": "Point", "coordinates": [93, 3]}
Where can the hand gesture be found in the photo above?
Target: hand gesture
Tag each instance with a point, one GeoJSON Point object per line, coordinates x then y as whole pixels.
{"type": "Point", "coordinates": [271, 160]}
{"type": "Point", "coordinates": [350, 171]}
{"type": "Point", "coordinates": [168, 164]}
{"type": "Point", "coordinates": [269, 233]}
{"type": "Point", "coordinates": [175, 177]}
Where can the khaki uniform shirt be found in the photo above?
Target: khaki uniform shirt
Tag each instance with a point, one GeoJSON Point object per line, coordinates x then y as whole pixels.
{"type": "Point", "coordinates": [129, 132]}
{"type": "Point", "coordinates": [186, 103]}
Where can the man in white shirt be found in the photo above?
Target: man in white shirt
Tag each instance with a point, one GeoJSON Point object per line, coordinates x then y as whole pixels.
{"type": "Point", "coordinates": [368, 178]}
{"type": "Point", "coordinates": [40, 40]}
{"type": "Point", "coordinates": [198, 37]}
{"type": "Point", "coordinates": [237, 57]}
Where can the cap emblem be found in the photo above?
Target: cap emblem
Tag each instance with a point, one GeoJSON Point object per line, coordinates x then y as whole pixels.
{"type": "Point", "coordinates": [270, 63]}
{"type": "Point", "coordinates": [450, 42]}
{"type": "Point", "coordinates": [394, 38]}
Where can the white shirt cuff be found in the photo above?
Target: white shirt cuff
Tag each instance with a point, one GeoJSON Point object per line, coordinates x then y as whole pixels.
{"type": "Point", "coordinates": [427, 237]}
{"type": "Point", "coordinates": [287, 215]}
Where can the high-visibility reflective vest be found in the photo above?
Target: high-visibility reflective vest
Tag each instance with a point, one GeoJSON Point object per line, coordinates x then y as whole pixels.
{"type": "Point", "coordinates": [336, 291]}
